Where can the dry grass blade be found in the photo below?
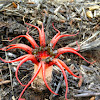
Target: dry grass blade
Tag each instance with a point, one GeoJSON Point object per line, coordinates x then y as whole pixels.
{"type": "Point", "coordinates": [5, 82]}
{"type": "Point", "coordinates": [10, 74]}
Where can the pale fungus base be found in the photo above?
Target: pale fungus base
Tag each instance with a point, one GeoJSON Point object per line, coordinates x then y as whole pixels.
{"type": "Point", "coordinates": [38, 83]}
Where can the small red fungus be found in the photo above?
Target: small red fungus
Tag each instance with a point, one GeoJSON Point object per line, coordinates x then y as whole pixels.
{"type": "Point", "coordinates": [43, 57]}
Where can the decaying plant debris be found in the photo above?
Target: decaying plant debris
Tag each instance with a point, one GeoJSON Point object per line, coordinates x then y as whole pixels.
{"type": "Point", "coordinates": [69, 17]}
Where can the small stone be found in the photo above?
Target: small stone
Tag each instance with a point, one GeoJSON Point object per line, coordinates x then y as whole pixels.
{"type": "Point", "coordinates": [68, 60]}
{"type": "Point", "coordinates": [39, 22]}
{"type": "Point", "coordinates": [89, 14]}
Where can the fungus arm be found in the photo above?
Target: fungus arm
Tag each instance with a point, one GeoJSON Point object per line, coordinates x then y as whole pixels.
{"type": "Point", "coordinates": [60, 36]}
{"type": "Point", "coordinates": [29, 38]}
{"type": "Point", "coordinates": [30, 57]}
{"type": "Point", "coordinates": [73, 48]}
{"type": "Point", "coordinates": [39, 67]}
{"type": "Point", "coordinates": [62, 50]}
{"type": "Point", "coordinates": [42, 37]}
{"type": "Point", "coordinates": [55, 35]}
{"type": "Point", "coordinates": [56, 62]}
{"type": "Point", "coordinates": [41, 34]}
{"type": "Point", "coordinates": [15, 60]}
{"type": "Point", "coordinates": [43, 73]}
{"type": "Point", "coordinates": [21, 46]}
{"type": "Point", "coordinates": [67, 68]}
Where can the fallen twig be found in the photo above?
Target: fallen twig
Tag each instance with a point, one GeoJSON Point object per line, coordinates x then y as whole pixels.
{"type": "Point", "coordinates": [5, 82]}
{"type": "Point", "coordinates": [87, 94]}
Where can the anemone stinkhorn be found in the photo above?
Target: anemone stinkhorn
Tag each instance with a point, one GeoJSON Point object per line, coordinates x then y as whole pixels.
{"type": "Point", "coordinates": [43, 57]}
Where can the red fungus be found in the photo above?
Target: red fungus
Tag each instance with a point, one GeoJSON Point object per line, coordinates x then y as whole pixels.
{"type": "Point", "coordinates": [44, 57]}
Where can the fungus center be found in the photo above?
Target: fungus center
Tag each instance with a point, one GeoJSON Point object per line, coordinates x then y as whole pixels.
{"type": "Point", "coordinates": [44, 53]}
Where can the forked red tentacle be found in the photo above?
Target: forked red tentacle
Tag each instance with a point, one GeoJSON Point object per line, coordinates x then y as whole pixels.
{"type": "Point", "coordinates": [15, 60]}
{"type": "Point", "coordinates": [30, 57]}
{"type": "Point", "coordinates": [29, 38]}
{"type": "Point", "coordinates": [39, 67]}
{"type": "Point", "coordinates": [44, 79]}
{"type": "Point", "coordinates": [78, 46]}
{"type": "Point", "coordinates": [41, 34]}
{"type": "Point", "coordinates": [56, 62]}
{"type": "Point", "coordinates": [35, 27]}
{"type": "Point", "coordinates": [53, 39]}
{"type": "Point", "coordinates": [42, 37]}
{"type": "Point", "coordinates": [60, 36]}
{"type": "Point", "coordinates": [69, 48]}
{"type": "Point", "coordinates": [62, 50]}
{"type": "Point", "coordinates": [27, 31]}
{"type": "Point", "coordinates": [21, 46]}
{"type": "Point", "coordinates": [67, 68]}
{"type": "Point", "coordinates": [73, 48]}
